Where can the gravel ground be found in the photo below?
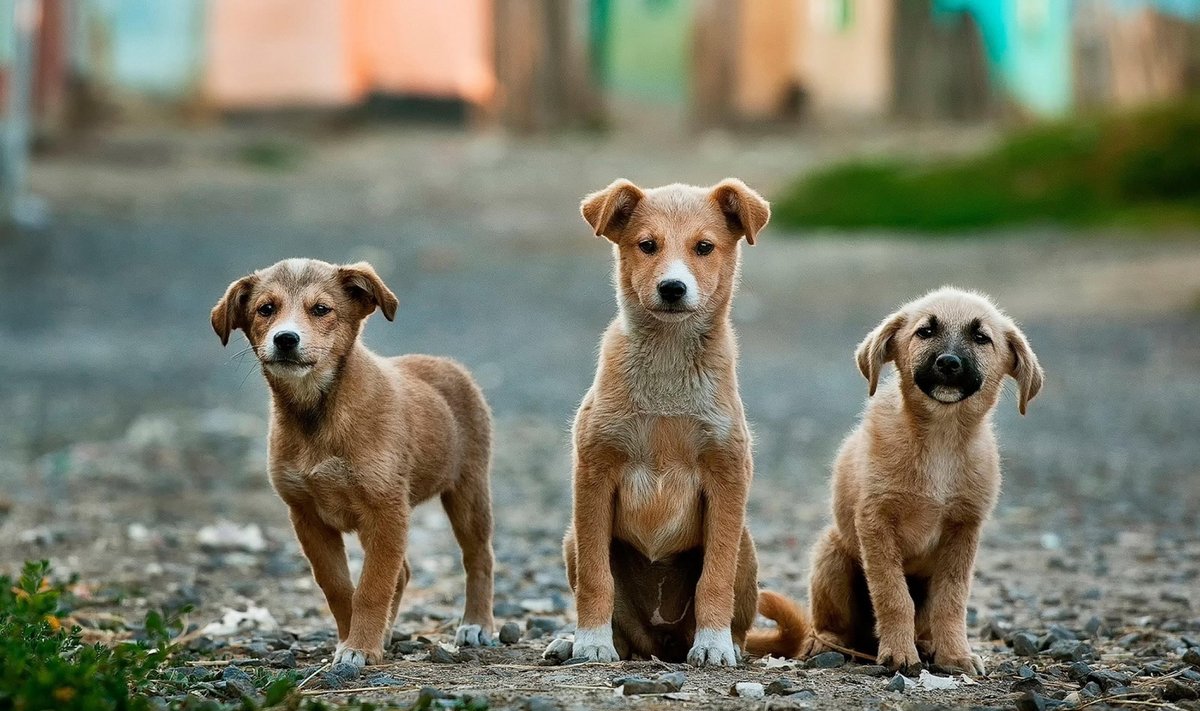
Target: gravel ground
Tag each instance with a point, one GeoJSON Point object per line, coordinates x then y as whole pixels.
{"type": "Point", "coordinates": [132, 452]}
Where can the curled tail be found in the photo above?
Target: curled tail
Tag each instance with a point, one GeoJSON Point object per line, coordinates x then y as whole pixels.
{"type": "Point", "coordinates": [792, 627]}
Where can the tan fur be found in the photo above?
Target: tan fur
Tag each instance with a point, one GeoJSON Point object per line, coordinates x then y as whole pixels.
{"type": "Point", "coordinates": [912, 485]}
{"type": "Point", "coordinates": [658, 546]}
{"type": "Point", "coordinates": [357, 439]}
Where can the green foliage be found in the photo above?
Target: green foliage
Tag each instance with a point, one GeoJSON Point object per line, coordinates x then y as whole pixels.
{"type": "Point", "coordinates": [1139, 169]}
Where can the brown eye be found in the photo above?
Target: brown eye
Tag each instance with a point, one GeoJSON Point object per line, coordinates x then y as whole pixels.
{"type": "Point", "coordinates": [320, 310]}
{"type": "Point", "coordinates": [704, 247]}
{"type": "Point", "coordinates": [266, 310]}
{"type": "Point", "coordinates": [926, 332]}
{"type": "Point", "coordinates": [648, 246]}
{"type": "Point", "coordinates": [981, 338]}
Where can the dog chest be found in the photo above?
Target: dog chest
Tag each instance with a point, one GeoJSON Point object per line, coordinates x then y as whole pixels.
{"type": "Point", "coordinates": [326, 489]}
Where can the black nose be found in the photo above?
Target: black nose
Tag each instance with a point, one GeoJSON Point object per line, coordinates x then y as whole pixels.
{"type": "Point", "coordinates": [671, 290]}
{"type": "Point", "coordinates": [287, 340]}
{"type": "Point", "coordinates": [948, 364]}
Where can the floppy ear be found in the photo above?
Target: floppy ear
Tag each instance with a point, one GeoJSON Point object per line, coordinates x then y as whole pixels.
{"type": "Point", "coordinates": [364, 286]}
{"type": "Point", "coordinates": [746, 212]}
{"type": "Point", "coordinates": [876, 349]}
{"type": "Point", "coordinates": [608, 210]}
{"type": "Point", "coordinates": [230, 312]}
{"type": "Point", "coordinates": [1025, 367]}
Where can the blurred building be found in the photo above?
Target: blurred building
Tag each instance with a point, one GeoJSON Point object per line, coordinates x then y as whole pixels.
{"type": "Point", "coordinates": [544, 64]}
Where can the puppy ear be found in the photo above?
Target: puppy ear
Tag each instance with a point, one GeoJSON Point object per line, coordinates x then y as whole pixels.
{"type": "Point", "coordinates": [1025, 367]}
{"type": "Point", "coordinates": [609, 210]}
{"type": "Point", "coordinates": [231, 312]}
{"type": "Point", "coordinates": [364, 286]}
{"type": "Point", "coordinates": [746, 212]}
{"type": "Point", "coordinates": [877, 349]}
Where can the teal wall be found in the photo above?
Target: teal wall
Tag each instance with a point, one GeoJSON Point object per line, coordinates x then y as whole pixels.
{"type": "Point", "coordinates": [155, 47]}
{"type": "Point", "coordinates": [644, 47]}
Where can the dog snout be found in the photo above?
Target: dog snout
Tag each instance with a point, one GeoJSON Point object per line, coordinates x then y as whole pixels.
{"type": "Point", "coordinates": [671, 290]}
{"type": "Point", "coordinates": [286, 341]}
{"type": "Point", "coordinates": [949, 364]}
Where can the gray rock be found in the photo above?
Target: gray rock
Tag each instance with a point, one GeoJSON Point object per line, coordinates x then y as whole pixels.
{"type": "Point", "coordinates": [634, 685]}
{"type": "Point", "coordinates": [1078, 671]}
{"type": "Point", "coordinates": [547, 625]}
{"type": "Point", "coordinates": [510, 633]}
{"type": "Point", "coordinates": [781, 687]}
{"type": "Point", "coordinates": [1026, 672]}
{"type": "Point", "coordinates": [1030, 701]}
{"type": "Point", "coordinates": [384, 680]}
{"type": "Point", "coordinates": [896, 683]}
{"type": "Point", "coordinates": [406, 646]}
{"type": "Point", "coordinates": [869, 670]}
{"type": "Point", "coordinates": [1109, 679]}
{"type": "Point", "coordinates": [572, 661]}
{"type": "Point", "coordinates": [1192, 656]}
{"type": "Point", "coordinates": [748, 690]}
{"type": "Point", "coordinates": [1025, 644]}
{"type": "Point", "coordinates": [1066, 650]}
{"type": "Point", "coordinates": [238, 682]}
{"type": "Point", "coordinates": [349, 672]}
{"type": "Point", "coordinates": [825, 660]}
{"type": "Point", "coordinates": [439, 655]}
{"type": "Point", "coordinates": [675, 680]}
{"type": "Point", "coordinates": [541, 703]}
{"type": "Point", "coordinates": [283, 659]}
{"type": "Point", "coordinates": [1174, 690]}
{"type": "Point", "coordinates": [1031, 684]}
{"type": "Point", "coordinates": [802, 695]}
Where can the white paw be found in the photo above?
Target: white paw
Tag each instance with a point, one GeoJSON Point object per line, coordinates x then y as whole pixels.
{"type": "Point", "coordinates": [347, 655]}
{"type": "Point", "coordinates": [472, 636]}
{"type": "Point", "coordinates": [559, 650]}
{"type": "Point", "coordinates": [595, 644]}
{"type": "Point", "coordinates": [713, 648]}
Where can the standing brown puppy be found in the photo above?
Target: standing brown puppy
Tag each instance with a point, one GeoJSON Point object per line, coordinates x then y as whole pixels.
{"type": "Point", "coordinates": [912, 486]}
{"type": "Point", "coordinates": [658, 554]}
{"type": "Point", "coordinates": [357, 440]}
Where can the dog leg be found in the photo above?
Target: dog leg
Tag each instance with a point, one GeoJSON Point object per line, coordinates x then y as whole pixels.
{"type": "Point", "coordinates": [383, 535]}
{"type": "Point", "coordinates": [831, 594]}
{"type": "Point", "coordinates": [469, 507]}
{"type": "Point", "coordinates": [594, 586]}
{"type": "Point", "coordinates": [895, 612]}
{"type": "Point", "coordinates": [949, 589]}
{"type": "Point", "coordinates": [322, 545]}
{"type": "Point", "coordinates": [725, 513]}
{"type": "Point", "coordinates": [401, 583]}
{"type": "Point", "coordinates": [745, 593]}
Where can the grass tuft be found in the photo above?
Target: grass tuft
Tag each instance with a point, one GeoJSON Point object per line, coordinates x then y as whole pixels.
{"type": "Point", "coordinates": [1133, 170]}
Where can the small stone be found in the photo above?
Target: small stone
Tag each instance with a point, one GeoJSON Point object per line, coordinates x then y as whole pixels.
{"type": "Point", "coordinates": [749, 690]}
{"type": "Point", "coordinates": [572, 661]}
{"type": "Point", "coordinates": [510, 633]}
{"type": "Point", "coordinates": [1129, 640]}
{"type": "Point", "coordinates": [547, 625]}
{"type": "Point", "coordinates": [1078, 671]}
{"type": "Point", "coordinates": [870, 670]}
{"type": "Point", "coordinates": [634, 685]}
{"type": "Point", "coordinates": [781, 687]}
{"type": "Point", "coordinates": [440, 655]}
{"type": "Point", "coordinates": [406, 646]}
{"type": "Point", "coordinates": [1066, 650]}
{"type": "Point", "coordinates": [1190, 675]}
{"type": "Point", "coordinates": [283, 659]}
{"type": "Point", "coordinates": [1174, 690]}
{"type": "Point", "coordinates": [1091, 690]}
{"type": "Point", "coordinates": [825, 660]}
{"type": "Point", "coordinates": [1093, 627]}
{"type": "Point", "coordinates": [345, 671]}
{"type": "Point", "coordinates": [897, 683]}
{"type": "Point", "coordinates": [1030, 701]}
{"type": "Point", "coordinates": [258, 649]}
{"type": "Point", "coordinates": [384, 680]}
{"type": "Point", "coordinates": [238, 681]}
{"type": "Point", "coordinates": [674, 681]}
{"type": "Point", "coordinates": [1109, 679]}
{"type": "Point", "coordinates": [802, 695]}
{"type": "Point", "coordinates": [1192, 656]}
{"type": "Point", "coordinates": [1026, 672]}
{"type": "Point", "coordinates": [1031, 684]}
{"type": "Point", "coordinates": [1025, 644]}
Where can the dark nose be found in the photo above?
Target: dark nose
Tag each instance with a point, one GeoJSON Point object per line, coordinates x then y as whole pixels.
{"type": "Point", "coordinates": [671, 290]}
{"type": "Point", "coordinates": [948, 364]}
{"type": "Point", "coordinates": [287, 340]}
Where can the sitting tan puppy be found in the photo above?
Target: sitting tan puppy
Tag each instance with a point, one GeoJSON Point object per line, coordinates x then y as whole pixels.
{"type": "Point", "coordinates": [912, 486]}
{"type": "Point", "coordinates": [658, 553]}
{"type": "Point", "coordinates": [357, 439]}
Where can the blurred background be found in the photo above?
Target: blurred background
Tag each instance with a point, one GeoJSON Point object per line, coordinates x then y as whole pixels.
{"type": "Point", "coordinates": [1044, 151]}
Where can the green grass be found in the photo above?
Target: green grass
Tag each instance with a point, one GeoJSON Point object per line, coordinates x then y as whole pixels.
{"type": "Point", "coordinates": [46, 665]}
{"type": "Point", "coordinates": [1138, 170]}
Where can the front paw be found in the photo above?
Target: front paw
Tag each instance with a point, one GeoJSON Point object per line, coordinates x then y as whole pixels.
{"type": "Point", "coordinates": [472, 636]}
{"type": "Point", "coordinates": [357, 656]}
{"type": "Point", "coordinates": [966, 662]}
{"type": "Point", "coordinates": [595, 644]}
{"type": "Point", "coordinates": [899, 656]}
{"type": "Point", "coordinates": [713, 648]}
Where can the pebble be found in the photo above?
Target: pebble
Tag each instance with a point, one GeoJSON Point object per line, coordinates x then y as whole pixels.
{"type": "Point", "coordinates": [440, 655]}
{"type": "Point", "coordinates": [1192, 656]}
{"type": "Point", "coordinates": [541, 703]}
{"type": "Point", "coordinates": [545, 625]}
{"type": "Point", "coordinates": [1175, 690]}
{"type": "Point", "coordinates": [1026, 672]}
{"type": "Point", "coordinates": [825, 660]}
{"type": "Point", "coordinates": [238, 681]}
{"type": "Point", "coordinates": [1069, 651]}
{"type": "Point", "coordinates": [1031, 684]}
{"type": "Point", "coordinates": [870, 670]}
{"type": "Point", "coordinates": [781, 687]}
{"type": "Point", "coordinates": [1078, 671]}
{"type": "Point", "coordinates": [897, 683]}
{"type": "Point", "coordinates": [1025, 644]}
{"type": "Point", "coordinates": [346, 671]}
{"type": "Point", "coordinates": [663, 684]}
{"type": "Point", "coordinates": [1030, 701]}
{"type": "Point", "coordinates": [384, 680]}
{"type": "Point", "coordinates": [749, 690]}
{"type": "Point", "coordinates": [406, 646]}
{"type": "Point", "coordinates": [1109, 679]}
{"type": "Point", "coordinates": [510, 633]}
{"type": "Point", "coordinates": [283, 658]}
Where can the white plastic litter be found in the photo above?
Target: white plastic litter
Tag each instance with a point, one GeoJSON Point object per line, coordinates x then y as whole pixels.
{"type": "Point", "coordinates": [252, 618]}
{"type": "Point", "coordinates": [933, 682]}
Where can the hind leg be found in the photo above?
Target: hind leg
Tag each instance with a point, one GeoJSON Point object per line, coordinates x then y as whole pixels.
{"type": "Point", "coordinates": [401, 583]}
{"type": "Point", "coordinates": [832, 595]}
{"type": "Point", "coordinates": [469, 506]}
{"type": "Point", "coordinates": [745, 591]}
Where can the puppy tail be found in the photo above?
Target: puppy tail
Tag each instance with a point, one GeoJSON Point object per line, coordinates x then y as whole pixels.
{"type": "Point", "coordinates": [792, 627]}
